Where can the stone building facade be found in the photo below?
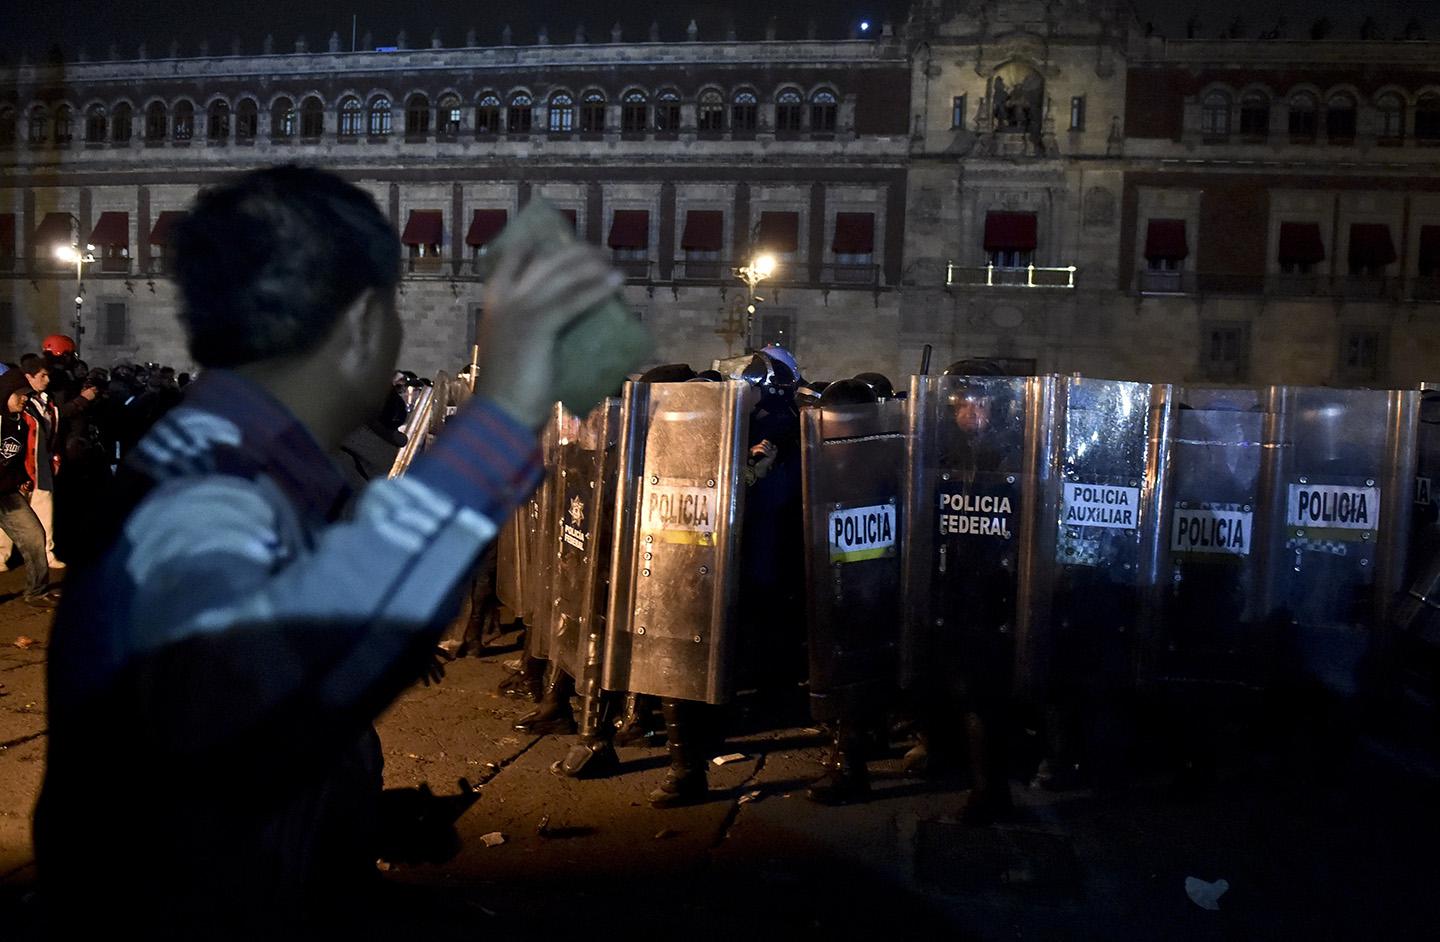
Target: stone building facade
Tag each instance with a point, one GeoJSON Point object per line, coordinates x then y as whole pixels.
{"type": "Point", "coordinates": [1035, 181]}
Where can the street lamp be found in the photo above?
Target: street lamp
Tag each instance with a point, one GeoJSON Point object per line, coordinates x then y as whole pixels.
{"type": "Point", "coordinates": [71, 254]}
{"type": "Point", "coordinates": [760, 268]}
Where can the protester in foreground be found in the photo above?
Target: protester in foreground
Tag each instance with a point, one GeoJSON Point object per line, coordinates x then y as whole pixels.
{"type": "Point", "coordinates": [17, 520]}
{"type": "Point", "coordinates": [221, 661]}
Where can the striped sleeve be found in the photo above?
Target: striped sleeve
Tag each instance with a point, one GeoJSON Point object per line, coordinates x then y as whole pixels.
{"type": "Point", "coordinates": [483, 460]}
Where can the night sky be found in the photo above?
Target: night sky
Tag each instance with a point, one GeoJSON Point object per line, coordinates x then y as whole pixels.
{"type": "Point", "coordinates": [35, 26]}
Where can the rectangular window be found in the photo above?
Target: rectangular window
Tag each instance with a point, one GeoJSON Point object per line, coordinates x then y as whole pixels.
{"type": "Point", "coordinates": [115, 324]}
{"type": "Point", "coordinates": [773, 326]}
{"type": "Point", "coordinates": [632, 118]}
{"type": "Point", "coordinates": [1362, 355]}
{"type": "Point", "coordinates": [1077, 113]}
{"type": "Point", "coordinates": [667, 116]}
{"type": "Point", "coordinates": [957, 112]}
{"type": "Point", "coordinates": [789, 117]}
{"type": "Point", "coordinates": [592, 117]}
{"type": "Point", "coordinates": [487, 120]}
{"type": "Point", "coordinates": [1224, 351]}
{"type": "Point", "coordinates": [520, 118]}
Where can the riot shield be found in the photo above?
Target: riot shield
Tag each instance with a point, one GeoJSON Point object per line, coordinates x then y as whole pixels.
{"type": "Point", "coordinates": [670, 625]}
{"type": "Point", "coordinates": [853, 459]}
{"type": "Point", "coordinates": [979, 480]}
{"type": "Point", "coordinates": [540, 522]}
{"type": "Point", "coordinates": [1425, 519]}
{"type": "Point", "coordinates": [1113, 445]}
{"type": "Point", "coordinates": [583, 512]}
{"type": "Point", "coordinates": [509, 563]}
{"type": "Point", "coordinates": [1341, 526]}
{"type": "Point", "coordinates": [1214, 625]}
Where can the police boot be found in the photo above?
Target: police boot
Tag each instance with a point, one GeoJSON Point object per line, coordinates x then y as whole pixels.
{"type": "Point", "coordinates": [636, 724]}
{"type": "Point", "coordinates": [686, 781]}
{"type": "Point", "coordinates": [846, 778]}
{"type": "Point", "coordinates": [554, 715]}
{"type": "Point", "coordinates": [528, 683]}
{"type": "Point", "coordinates": [594, 755]}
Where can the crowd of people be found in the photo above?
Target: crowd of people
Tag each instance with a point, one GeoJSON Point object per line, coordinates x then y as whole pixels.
{"type": "Point", "coordinates": [66, 427]}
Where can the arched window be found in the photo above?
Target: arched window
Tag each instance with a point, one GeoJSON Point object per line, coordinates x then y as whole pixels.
{"type": "Point", "coordinates": [217, 122]}
{"type": "Point", "coordinates": [39, 125]}
{"type": "Point", "coordinates": [1392, 117]}
{"type": "Point", "coordinates": [351, 117]}
{"type": "Point", "coordinates": [592, 112]}
{"type": "Point", "coordinates": [1302, 117]}
{"type": "Point", "coordinates": [744, 112]}
{"type": "Point", "coordinates": [448, 116]}
{"type": "Point", "coordinates": [520, 114]}
{"type": "Point", "coordinates": [823, 109]}
{"type": "Point", "coordinates": [1215, 115]}
{"type": "Point", "coordinates": [157, 122]}
{"type": "Point", "coordinates": [1255, 116]}
{"type": "Point", "coordinates": [1340, 119]}
{"type": "Point", "coordinates": [282, 120]}
{"type": "Point", "coordinates": [487, 116]}
{"type": "Point", "coordinates": [247, 120]}
{"type": "Point", "coordinates": [312, 118]}
{"type": "Point", "coordinates": [182, 126]}
{"type": "Point", "coordinates": [381, 115]}
{"type": "Point", "coordinates": [710, 115]}
{"type": "Point", "coordinates": [634, 110]}
{"type": "Point", "coordinates": [7, 127]}
{"type": "Point", "coordinates": [562, 113]}
{"type": "Point", "coordinates": [417, 116]}
{"type": "Point", "coordinates": [789, 110]}
{"type": "Point", "coordinates": [1427, 118]}
{"type": "Point", "coordinates": [667, 110]}
{"type": "Point", "coordinates": [64, 126]}
{"type": "Point", "coordinates": [122, 122]}
{"type": "Point", "coordinates": [96, 125]}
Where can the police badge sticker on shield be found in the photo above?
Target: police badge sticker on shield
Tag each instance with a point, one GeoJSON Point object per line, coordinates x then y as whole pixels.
{"type": "Point", "coordinates": [863, 532]}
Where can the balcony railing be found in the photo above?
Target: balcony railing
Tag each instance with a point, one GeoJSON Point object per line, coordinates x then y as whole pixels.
{"type": "Point", "coordinates": [115, 266]}
{"type": "Point", "coordinates": [988, 276]}
{"type": "Point", "coordinates": [1284, 285]}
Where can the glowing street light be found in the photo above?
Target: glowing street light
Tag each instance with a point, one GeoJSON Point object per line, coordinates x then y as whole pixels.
{"type": "Point", "coordinates": [72, 255]}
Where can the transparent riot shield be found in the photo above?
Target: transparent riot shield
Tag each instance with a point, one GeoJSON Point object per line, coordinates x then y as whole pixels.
{"type": "Point", "coordinates": [670, 626]}
{"type": "Point", "coordinates": [509, 563]}
{"type": "Point", "coordinates": [1214, 625]}
{"type": "Point", "coordinates": [979, 486]}
{"type": "Point", "coordinates": [540, 523]}
{"type": "Point", "coordinates": [853, 462]}
{"type": "Point", "coordinates": [583, 511]}
{"type": "Point", "coordinates": [1425, 518]}
{"type": "Point", "coordinates": [1342, 524]}
{"type": "Point", "coordinates": [1113, 445]}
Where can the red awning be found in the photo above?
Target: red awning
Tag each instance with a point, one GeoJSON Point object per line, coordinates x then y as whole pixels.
{"type": "Point", "coordinates": [630, 229]}
{"type": "Point", "coordinates": [485, 226]}
{"type": "Point", "coordinates": [7, 233]}
{"type": "Point", "coordinates": [571, 215]}
{"type": "Point", "coordinates": [424, 227]}
{"type": "Point", "coordinates": [779, 232]}
{"type": "Point", "coordinates": [1300, 244]}
{"type": "Point", "coordinates": [166, 221]}
{"type": "Point", "coordinates": [704, 231]}
{"type": "Point", "coordinates": [111, 229]}
{"type": "Point", "coordinates": [1165, 238]}
{"type": "Point", "coordinates": [55, 229]}
{"type": "Point", "coordinates": [1370, 245]}
{"type": "Point", "coordinates": [1009, 232]}
{"type": "Point", "coordinates": [854, 234]}
{"type": "Point", "coordinates": [1429, 260]}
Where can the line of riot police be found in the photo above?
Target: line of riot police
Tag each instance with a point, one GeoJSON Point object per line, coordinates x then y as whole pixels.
{"type": "Point", "coordinates": [984, 554]}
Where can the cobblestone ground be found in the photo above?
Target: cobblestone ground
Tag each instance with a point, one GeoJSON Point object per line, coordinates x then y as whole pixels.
{"type": "Point", "coordinates": [1342, 851]}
